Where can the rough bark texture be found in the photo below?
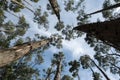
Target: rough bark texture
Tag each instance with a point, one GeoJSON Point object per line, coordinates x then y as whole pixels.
{"type": "Point", "coordinates": [105, 75]}
{"type": "Point", "coordinates": [58, 71]}
{"type": "Point", "coordinates": [55, 7]}
{"type": "Point", "coordinates": [110, 7]}
{"type": "Point", "coordinates": [9, 55]}
{"type": "Point", "coordinates": [107, 31]}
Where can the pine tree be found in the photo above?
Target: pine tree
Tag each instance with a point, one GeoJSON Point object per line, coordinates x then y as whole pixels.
{"type": "Point", "coordinates": [107, 31]}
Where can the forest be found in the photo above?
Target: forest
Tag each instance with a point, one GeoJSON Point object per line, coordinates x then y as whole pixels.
{"type": "Point", "coordinates": [59, 40]}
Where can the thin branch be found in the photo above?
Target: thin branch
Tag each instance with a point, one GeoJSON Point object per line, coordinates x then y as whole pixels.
{"type": "Point", "coordinates": [110, 7]}
{"type": "Point", "coordinates": [105, 75]}
{"type": "Point", "coordinates": [12, 14]}
{"type": "Point", "coordinates": [22, 5]}
{"type": "Point", "coordinates": [114, 54]}
{"type": "Point", "coordinates": [28, 3]}
{"type": "Point", "coordinates": [114, 65]}
{"type": "Point", "coordinates": [92, 71]}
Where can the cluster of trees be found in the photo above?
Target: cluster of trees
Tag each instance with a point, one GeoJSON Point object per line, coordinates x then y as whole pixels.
{"type": "Point", "coordinates": [18, 61]}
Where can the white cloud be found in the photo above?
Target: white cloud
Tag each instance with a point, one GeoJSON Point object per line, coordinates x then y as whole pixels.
{"type": "Point", "coordinates": [118, 9]}
{"type": "Point", "coordinates": [74, 47]}
{"type": "Point", "coordinates": [78, 47]}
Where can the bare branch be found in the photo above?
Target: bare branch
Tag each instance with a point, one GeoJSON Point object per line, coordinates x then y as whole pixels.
{"type": "Point", "coordinates": [14, 1]}
{"type": "Point", "coordinates": [110, 7]}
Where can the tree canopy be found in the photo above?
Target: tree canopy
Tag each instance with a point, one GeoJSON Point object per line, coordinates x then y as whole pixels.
{"type": "Point", "coordinates": [34, 35]}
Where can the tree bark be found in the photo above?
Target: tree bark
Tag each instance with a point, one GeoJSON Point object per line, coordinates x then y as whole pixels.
{"type": "Point", "coordinates": [105, 75]}
{"type": "Point", "coordinates": [55, 7]}
{"type": "Point", "coordinates": [107, 31]}
{"type": "Point", "coordinates": [110, 7]}
{"type": "Point", "coordinates": [9, 55]}
{"type": "Point", "coordinates": [58, 71]}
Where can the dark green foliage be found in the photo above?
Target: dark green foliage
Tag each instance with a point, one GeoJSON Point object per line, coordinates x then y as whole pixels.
{"type": "Point", "coordinates": [41, 19]}
{"type": "Point", "coordinates": [68, 32]}
{"type": "Point", "coordinates": [3, 4]}
{"type": "Point", "coordinates": [26, 68]}
{"type": "Point", "coordinates": [56, 40]}
{"type": "Point", "coordinates": [82, 18]}
{"type": "Point", "coordinates": [49, 7]}
{"type": "Point", "coordinates": [22, 26]}
{"type": "Point", "coordinates": [108, 13]}
{"type": "Point", "coordinates": [19, 72]}
{"type": "Point", "coordinates": [74, 69]}
{"type": "Point", "coordinates": [12, 31]}
{"type": "Point", "coordinates": [15, 7]}
{"type": "Point", "coordinates": [85, 61]}
{"type": "Point", "coordinates": [57, 58]}
{"type": "Point", "coordinates": [69, 5]}
{"type": "Point", "coordinates": [19, 41]}
{"type": "Point", "coordinates": [97, 76]}
{"type": "Point", "coordinates": [66, 77]}
{"type": "Point", "coordinates": [59, 26]}
{"type": "Point", "coordinates": [90, 40]}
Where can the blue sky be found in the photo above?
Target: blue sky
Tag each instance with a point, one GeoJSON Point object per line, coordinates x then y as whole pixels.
{"type": "Point", "coordinates": [73, 49]}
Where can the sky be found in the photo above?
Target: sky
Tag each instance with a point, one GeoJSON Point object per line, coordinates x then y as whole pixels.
{"type": "Point", "coordinates": [73, 49]}
{"type": "Point", "coordinates": [78, 46]}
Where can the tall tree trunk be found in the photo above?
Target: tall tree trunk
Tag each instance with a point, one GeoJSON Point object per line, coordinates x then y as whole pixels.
{"type": "Point", "coordinates": [105, 75]}
{"type": "Point", "coordinates": [110, 7]}
{"type": "Point", "coordinates": [58, 71]}
{"type": "Point", "coordinates": [9, 55]}
{"type": "Point", "coordinates": [107, 31]}
{"type": "Point", "coordinates": [55, 7]}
